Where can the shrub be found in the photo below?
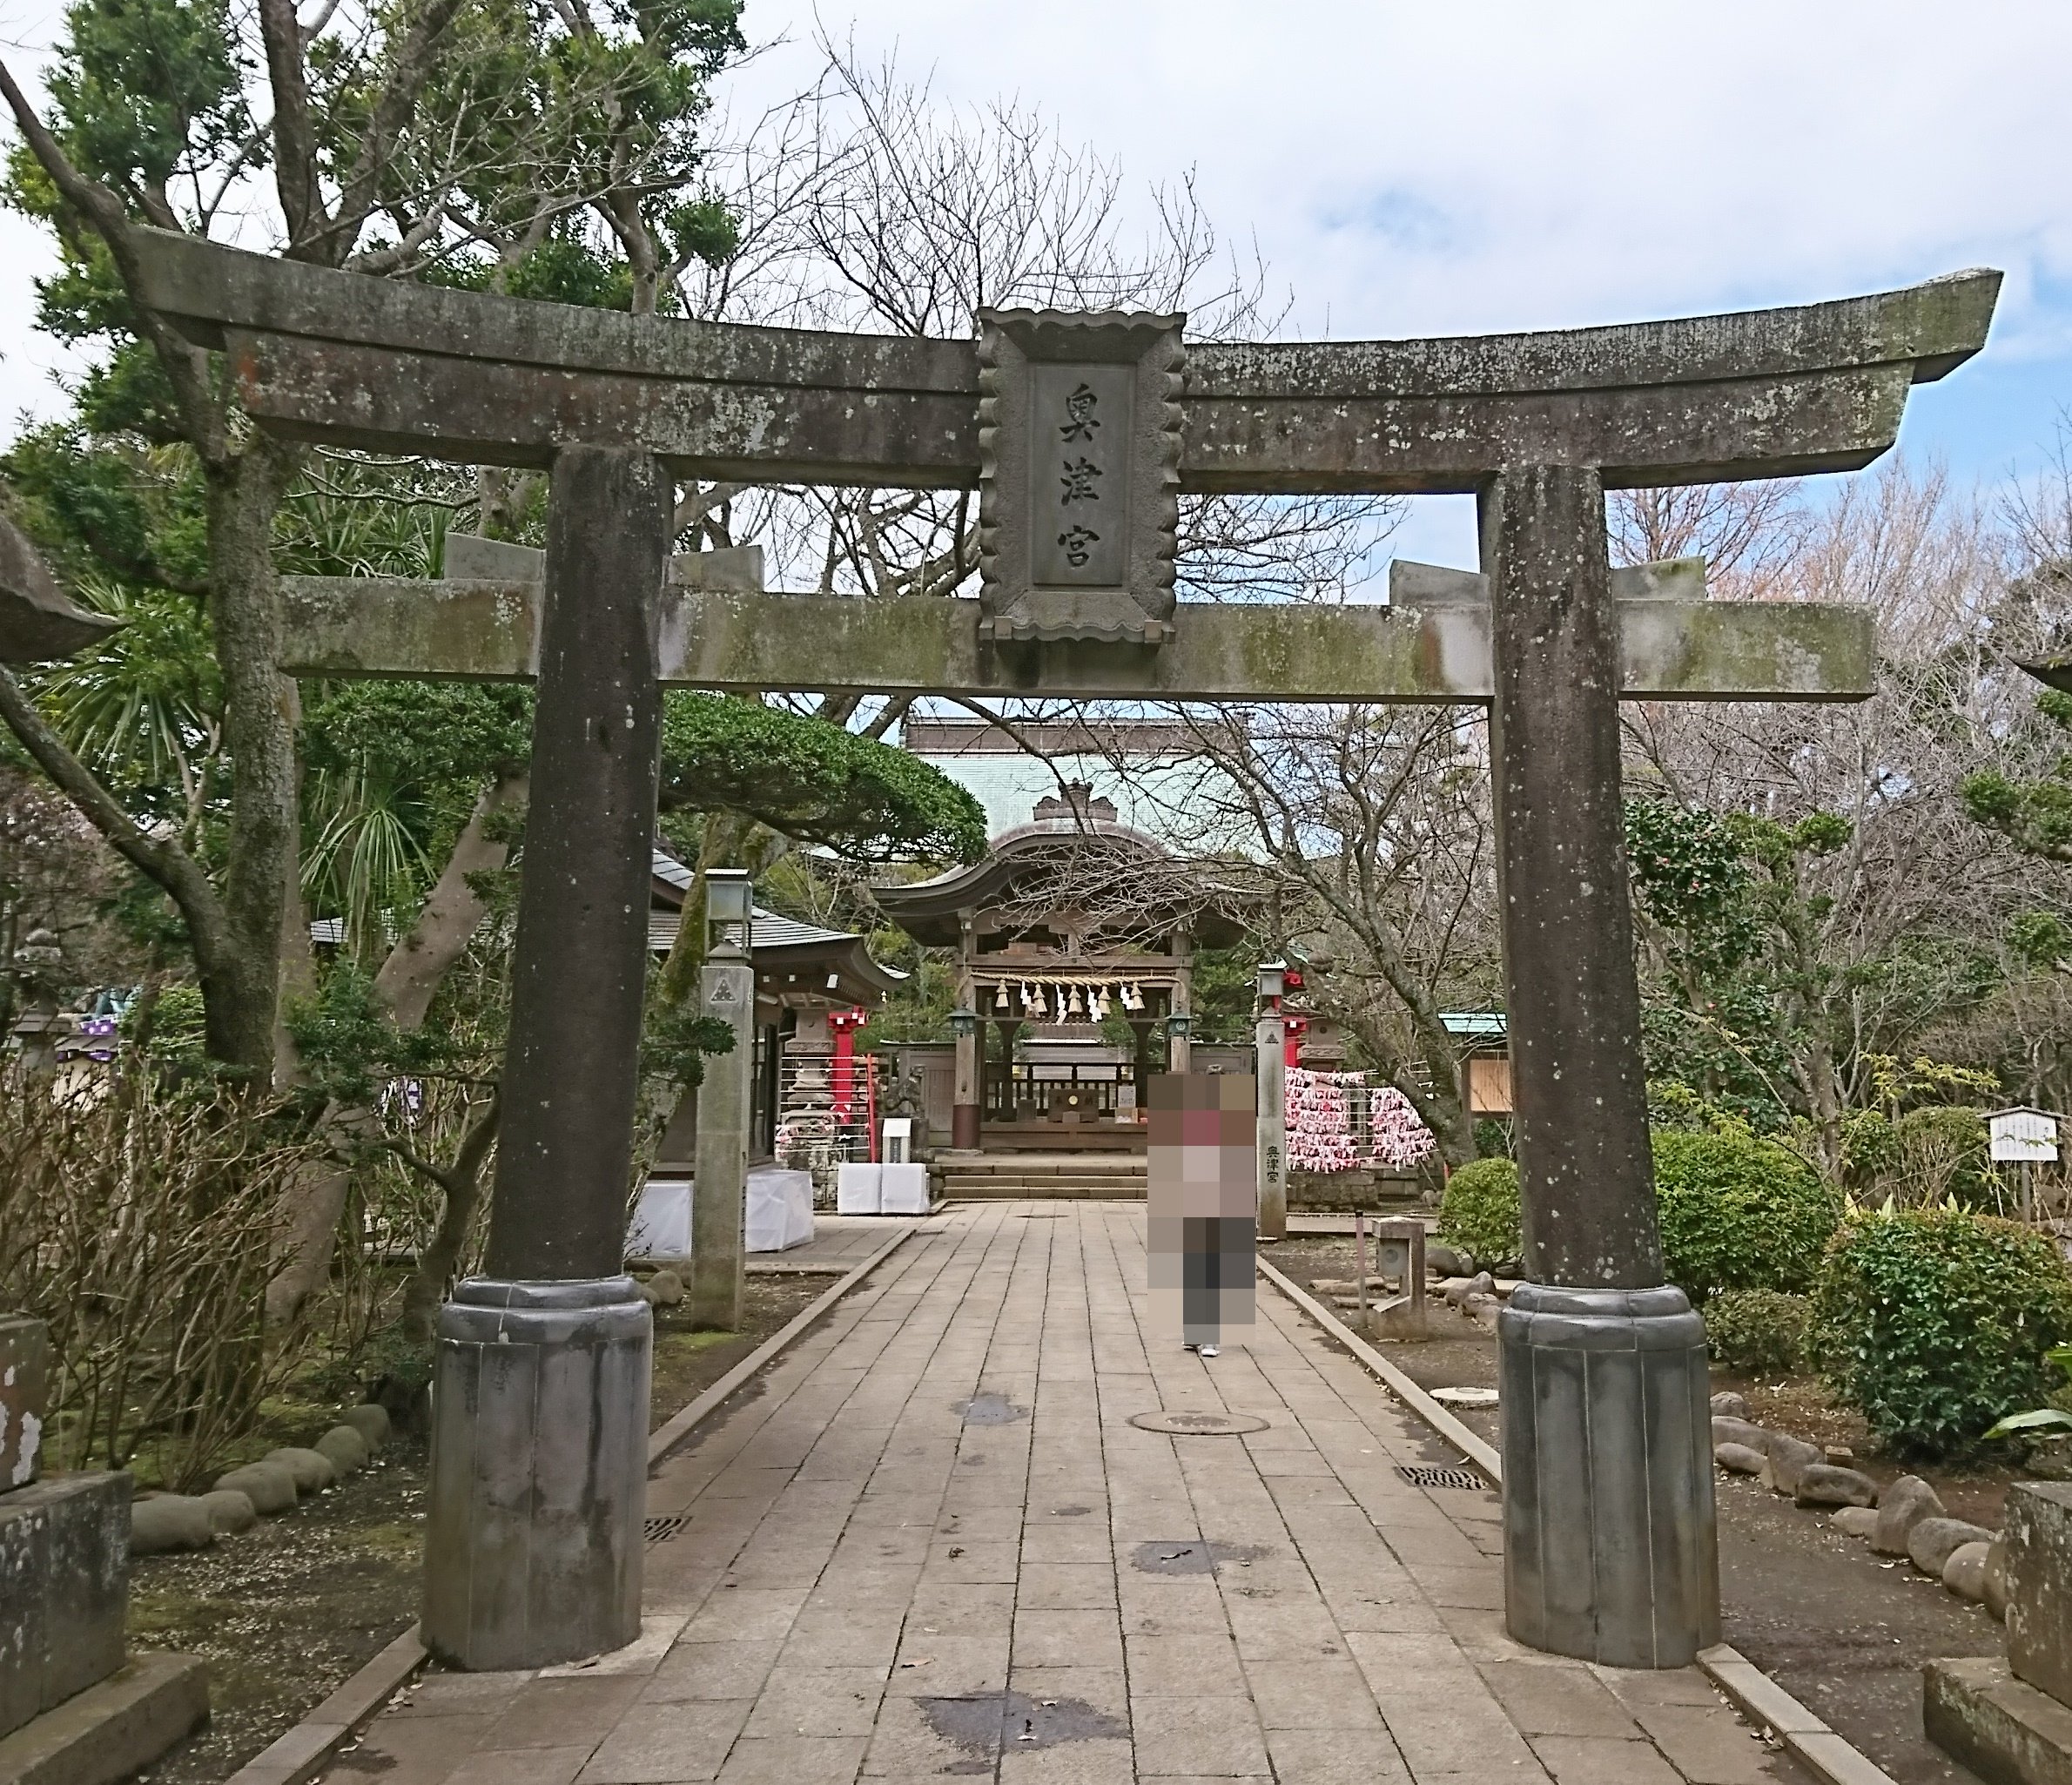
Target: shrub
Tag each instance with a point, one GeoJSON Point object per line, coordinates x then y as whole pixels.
{"type": "Point", "coordinates": [1739, 1213]}
{"type": "Point", "coordinates": [1480, 1211]}
{"type": "Point", "coordinates": [1934, 1323]}
{"type": "Point", "coordinates": [1757, 1330]}
{"type": "Point", "coordinates": [1944, 1149]}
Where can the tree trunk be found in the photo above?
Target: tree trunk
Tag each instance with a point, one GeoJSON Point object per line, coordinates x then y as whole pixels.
{"type": "Point", "coordinates": [241, 988]}
{"type": "Point", "coordinates": [306, 1223]}
{"type": "Point", "coordinates": [436, 1265]}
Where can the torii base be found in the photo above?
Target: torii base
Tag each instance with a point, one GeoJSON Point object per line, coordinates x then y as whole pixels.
{"type": "Point", "coordinates": [1611, 1545]}
{"type": "Point", "coordinates": [533, 1534]}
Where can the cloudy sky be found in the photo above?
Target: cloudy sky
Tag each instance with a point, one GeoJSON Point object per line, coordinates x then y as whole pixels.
{"type": "Point", "coordinates": [1410, 169]}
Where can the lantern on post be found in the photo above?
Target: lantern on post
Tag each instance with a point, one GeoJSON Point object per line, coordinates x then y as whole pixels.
{"type": "Point", "coordinates": [729, 908]}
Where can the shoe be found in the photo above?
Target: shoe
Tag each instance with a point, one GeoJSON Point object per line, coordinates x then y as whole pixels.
{"type": "Point", "coordinates": [1188, 1345]}
{"type": "Point", "coordinates": [1209, 1350]}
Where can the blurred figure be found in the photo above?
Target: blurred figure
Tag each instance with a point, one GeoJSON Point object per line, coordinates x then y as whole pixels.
{"type": "Point", "coordinates": [1200, 1223]}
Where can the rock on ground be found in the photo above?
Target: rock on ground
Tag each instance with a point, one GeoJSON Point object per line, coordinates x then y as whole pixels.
{"type": "Point", "coordinates": [1791, 1460]}
{"type": "Point", "coordinates": [1902, 1505]}
{"type": "Point", "coordinates": [1995, 1582]}
{"type": "Point", "coordinates": [1458, 1291]}
{"type": "Point", "coordinates": [1965, 1571]}
{"type": "Point", "coordinates": [1855, 1521]}
{"type": "Point", "coordinates": [1829, 1485]}
{"type": "Point", "coordinates": [169, 1521]}
{"type": "Point", "coordinates": [312, 1469]}
{"type": "Point", "coordinates": [1740, 1459]}
{"type": "Point", "coordinates": [371, 1421]}
{"type": "Point", "coordinates": [1932, 1542]}
{"type": "Point", "coordinates": [668, 1288]}
{"type": "Point", "coordinates": [344, 1449]}
{"type": "Point", "coordinates": [230, 1511]}
{"type": "Point", "coordinates": [1730, 1429]}
{"type": "Point", "coordinates": [269, 1486]}
{"type": "Point", "coordinates": [1441, 1260]}
{"type": "Point", "coordinates": [1731, 1406]}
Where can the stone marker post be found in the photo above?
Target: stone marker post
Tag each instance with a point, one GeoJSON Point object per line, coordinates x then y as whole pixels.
{"type": "Point", "coordinates": [719, 1190]}
{"type": "Point", "coordinates": [1269, 1040]}
{"type": "Point", "coordinates": [1609, 1546]}
{"type": "Point", "coordinates": [539, 1448]}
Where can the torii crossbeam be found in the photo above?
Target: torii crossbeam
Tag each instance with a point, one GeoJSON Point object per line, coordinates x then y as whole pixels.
{"type": "Point", "coordinates": [1079, 431]}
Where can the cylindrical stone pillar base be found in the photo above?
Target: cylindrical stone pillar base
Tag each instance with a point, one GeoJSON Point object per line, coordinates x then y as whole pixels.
{"type": "Point", "coordinates": [963, 1127]}
{"type": "Point", "coordinates": [1610, 1549]}
{"type": "Point", "coordinates": [538, 1498]}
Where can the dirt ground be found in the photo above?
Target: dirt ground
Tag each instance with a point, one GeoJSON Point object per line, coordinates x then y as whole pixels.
{"type": "Point", "coordinates": [290, 1609]}
{"type": "Point", "coordinates": [1844, 1631]}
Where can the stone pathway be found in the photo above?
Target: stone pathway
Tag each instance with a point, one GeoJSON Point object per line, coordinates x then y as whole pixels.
{"type": "Point", "coordinates": [839, 1243]}
{"type": "Point", "coordinates": [935, 1546]}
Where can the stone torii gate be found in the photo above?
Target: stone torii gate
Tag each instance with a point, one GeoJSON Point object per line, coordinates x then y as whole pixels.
{"type": "Point", "coordinates": [1079, 431]}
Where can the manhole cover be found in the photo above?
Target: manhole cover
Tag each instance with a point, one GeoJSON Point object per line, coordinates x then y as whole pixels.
{"type": "Point", "coordinates": [661, 1530]}
{"type": "Point", "coordinates": [1431, 1475]}
{"type": "Point", "coordinates": [1182, 1424]}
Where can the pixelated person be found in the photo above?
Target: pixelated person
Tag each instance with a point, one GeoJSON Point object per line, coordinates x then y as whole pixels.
{"type": "Point", "coordinates": [1202, 1216]}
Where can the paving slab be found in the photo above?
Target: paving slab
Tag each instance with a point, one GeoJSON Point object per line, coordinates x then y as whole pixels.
{"type": "Point", "coordinates": [934, 1546]}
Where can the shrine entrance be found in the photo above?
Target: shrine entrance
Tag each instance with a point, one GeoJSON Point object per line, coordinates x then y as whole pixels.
{"type": "Point", "coordinates": [1079, 433]}
{"type": "Point", "coordinates": [1061, 1017]}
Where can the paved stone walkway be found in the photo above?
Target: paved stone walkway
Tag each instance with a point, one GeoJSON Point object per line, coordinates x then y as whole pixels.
{"type": "Point", "coordinates": [934, 1546]}
{"type": "Point", "coordinates": [839, 1243]}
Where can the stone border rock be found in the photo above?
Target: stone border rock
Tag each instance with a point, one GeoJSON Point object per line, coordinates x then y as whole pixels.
{"type": "Point", "coordinates": [1904, 1518]}
{"type": "Point", "coordinates": [1752, 1692]}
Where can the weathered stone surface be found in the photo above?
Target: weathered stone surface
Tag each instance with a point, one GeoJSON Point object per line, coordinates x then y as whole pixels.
{"type": "Point", "coordinates": [370, 1421]}
{"type": "Point", "coordinates": [1580, 1470]}
{"type": "Point", "coordinates": [1785, 392]}
{"type": "Point", "coordinates": [230, 1510]}
{"type": "Point", "coordinates": [270, 1486]}
{"type": "Point", "coordinates": [1829, 1485]}
{"type": "Point", "coordinates": [532, 1541]}
{"type": "Point", "coordinates": [471, 558]}
{"type": "Point", "coordinates": [2038, 1533]}
{"type": "Point", "coordinates": [2005, 1731]}
{"type": "Point", "coordinates": [1901, 1505]}
{"type": "Point", "coordinates": [1728, 1428]}
{"type": "Point", "coordinates": [64, 1554]}
{"type": "Point", "coordinates": [38, 621]}
{"type": "Point", "coordinates": [1965, 1571]}
{"type": "Point", "coordinates": [1996, 1578]}
{"type": "Point", "coordinates": [1790, 1461]}
{"type": "Point", "coordinates": [1855, 1521]}
{"type": "Point", "coordinates": [112, 1729]}
{"type": "Point", "coordinates": [24, 1373]}
{"type": "Point", "coordinates": [344, 1449]}
{"type": "Point", "coordinates": [169, 1521]}
{"type": "Point", "coordinates": [1728, 1406]}
{"type": "Point", "coordinates": [391, 626]}
{"type": "Point", "coordinates": [1458, 1292]}
{"type": "Point", "coordinates": [1445, 1260]}
{"type": "Point", "coordinates": [668, 1288]}
{"type": "Point", "coordinates": [1740, 1459]}
{"type": "Point", "coordinates": [1932, 1542]}
{"type": "Point", "coordinates": [311, 1470]}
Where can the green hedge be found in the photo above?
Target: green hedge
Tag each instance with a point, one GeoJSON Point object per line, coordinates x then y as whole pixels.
{"type": "Point", "coordinates": [1480, 1211]}
{"type": "Point", "coordinates": [1739, 1213]}
{"type": "Point", "coordinates": [1758, 1331]}
{"type": "Point", "coordinates": [1736, 1212]}
{"type": "Point", "coordinates": [1933, 1323]}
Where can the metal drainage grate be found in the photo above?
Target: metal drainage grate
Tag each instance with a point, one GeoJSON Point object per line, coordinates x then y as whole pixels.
{"type": "Point", "coordinates": [661, 1530]}
{"type": "Point", "coordinates": [1431, 1475]}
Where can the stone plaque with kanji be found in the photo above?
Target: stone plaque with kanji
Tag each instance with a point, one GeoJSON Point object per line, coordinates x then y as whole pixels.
{"type": "Point", "coordinates": [1079, 441]}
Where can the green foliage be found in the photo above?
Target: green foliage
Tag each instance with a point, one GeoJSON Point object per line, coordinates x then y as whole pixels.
{"type": "Point", "coordinates": [1738, 1212]}
{"type": "Point", "coordinates": [1760, 1332]}
{"type": "Point", "coordinates": [1948, 1146]}
{"type": "Point", "coordinates": [676, 1041]}
{"type": "Point", "coordinates": [2034, 816]}
{"type": "Point", "coordinates": [1480, 1211]}
{"type": "Point", "coordinates": [2050, 1419]}
{"type": "Point", "coordinates": [813, 781]}
{"type": "Point", "coordinates": [1935, 1322]}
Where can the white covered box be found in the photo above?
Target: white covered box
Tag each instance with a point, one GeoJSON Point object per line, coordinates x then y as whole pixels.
{"type": "Point", "coordinates": [780, 1208]}
{"type": "Point", "coordinates": [856, 1189]}
{"type": "Point", "coordinates": [661, 1225]}
{"type": "Point", "coordinates": [903, 1190]}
